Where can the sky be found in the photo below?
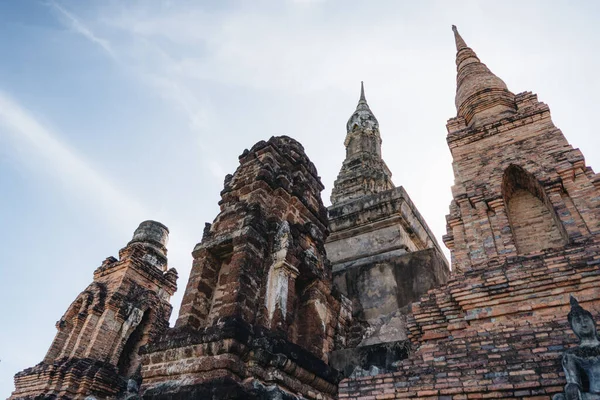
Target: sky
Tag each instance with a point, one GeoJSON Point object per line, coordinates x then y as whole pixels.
{"type": "Point", "coordinates": [115, 112]}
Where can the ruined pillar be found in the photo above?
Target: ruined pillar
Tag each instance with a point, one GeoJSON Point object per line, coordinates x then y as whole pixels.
{"type": "Point", "coordinates": [259, 314]}
{"type": "Point", "coordinates": [96, 348]}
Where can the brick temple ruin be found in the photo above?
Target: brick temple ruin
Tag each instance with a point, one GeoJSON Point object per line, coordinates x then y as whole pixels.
{"type": "Point", "coordinates": [290, 300]}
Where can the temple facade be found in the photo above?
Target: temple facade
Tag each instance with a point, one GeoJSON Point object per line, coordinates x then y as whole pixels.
{"type": "Point", "coordinates": [288, 299]}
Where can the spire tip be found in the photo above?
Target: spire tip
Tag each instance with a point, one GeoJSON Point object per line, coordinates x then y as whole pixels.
{"type": "Point", "coordinates": [362, 92]}
{"type": "Point", "coordinates": [460, 43]}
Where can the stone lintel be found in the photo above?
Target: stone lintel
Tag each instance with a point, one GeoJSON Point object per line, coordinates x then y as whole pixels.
{"type": "Point", "coordinates": [343, 265]}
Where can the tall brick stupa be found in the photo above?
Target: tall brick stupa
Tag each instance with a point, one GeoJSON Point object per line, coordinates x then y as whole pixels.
{"type": "Point", "coordinates": [383, 253]}
{"type": "Point", "coordinates": [524, 234]}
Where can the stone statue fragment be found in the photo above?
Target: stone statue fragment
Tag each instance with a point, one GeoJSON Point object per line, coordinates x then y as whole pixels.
{"type": "Point", "coordinates": [582, 363]}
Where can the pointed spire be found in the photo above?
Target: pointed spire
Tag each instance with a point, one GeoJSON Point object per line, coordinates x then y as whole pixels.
{"type": "Point", "coordinates": [362, 93]}
{"type": "Point", "coordinates": [460, 43]}
{"type": "Point", "coordinates": [480, 95]}
{"type": "Point", "coordinates": [362, 102]}
{"type": "Point", "coordinates": [363, 117]}
{"type": "Point", "coordinates": [363, 172]}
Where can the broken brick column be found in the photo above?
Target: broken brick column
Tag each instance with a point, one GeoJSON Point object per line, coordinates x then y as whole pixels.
{"type": "Point", "coordinates": [96, 347]}
{"type": "Point", "coordinates": [259, 274]}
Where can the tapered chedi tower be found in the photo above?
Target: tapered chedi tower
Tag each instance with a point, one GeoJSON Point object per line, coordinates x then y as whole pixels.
{"type": "Point", "coordinates": [520, 188]}
{"type": "Point", "coordinates": [384, 256]}
{"type": "Point", "coordinates": [363, 172]}
{"type": "Point", "coordinates": [95, 350]}
{"type": "Point", "coordinates": [523, 232]}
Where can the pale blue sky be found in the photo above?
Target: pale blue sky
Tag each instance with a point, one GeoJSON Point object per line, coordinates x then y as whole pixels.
{"type": "Point", "coordinates": [114, 112]}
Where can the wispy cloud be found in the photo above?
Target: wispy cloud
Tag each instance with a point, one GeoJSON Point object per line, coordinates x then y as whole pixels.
{"type": "Point", "coordinates": [42, 145]}
{"type": "Point", "coordinates": [174, 91]}
{"type": "Point", "coordinates": [46, 151]}
{"type": "Point", "coordinates": [160, 75]}
{"type": "Point", "coordinates": [82, 29]}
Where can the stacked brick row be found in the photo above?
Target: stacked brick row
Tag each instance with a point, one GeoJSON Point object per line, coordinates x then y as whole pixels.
{"type": "Point", "coordinates": [68, 379]}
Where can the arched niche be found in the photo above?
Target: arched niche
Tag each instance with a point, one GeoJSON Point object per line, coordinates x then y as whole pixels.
{"type": "Point", "coordinates": [129, 359]}
{"type": "Point", "coordinates": [533, 222]}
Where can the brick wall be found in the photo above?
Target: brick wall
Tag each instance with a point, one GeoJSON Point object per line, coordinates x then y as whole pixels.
{"type": "Point", "coordinates": [532, 224]}
{"type": "Point", "coordinates": [496, 334]}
